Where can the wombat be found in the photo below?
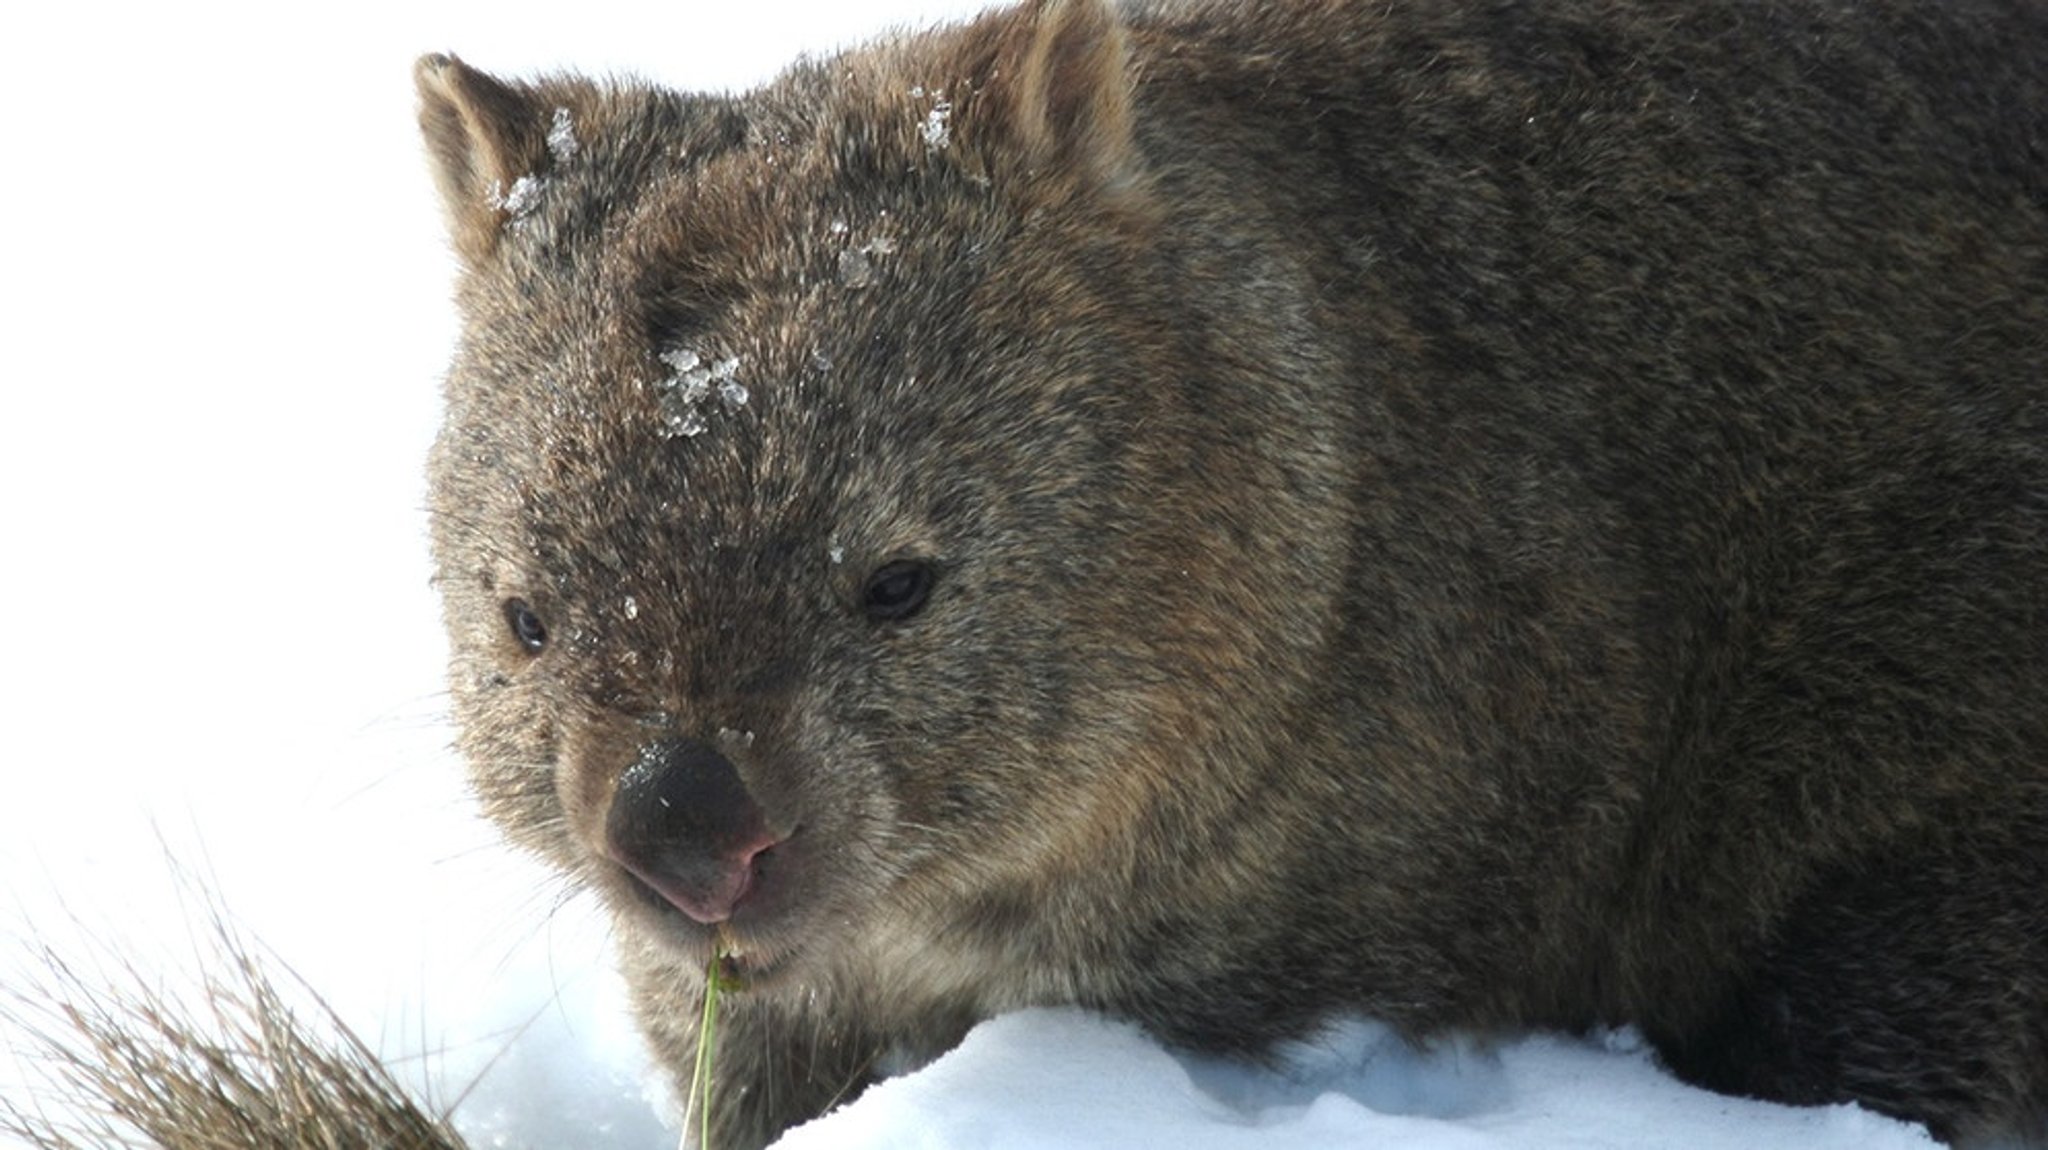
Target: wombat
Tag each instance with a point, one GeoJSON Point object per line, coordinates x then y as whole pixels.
{"type": "Point", "coordinates": [1493, 515]}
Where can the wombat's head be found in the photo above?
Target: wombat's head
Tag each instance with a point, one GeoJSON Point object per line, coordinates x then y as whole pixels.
{"type": "Point", "coordinates": [823, 514]}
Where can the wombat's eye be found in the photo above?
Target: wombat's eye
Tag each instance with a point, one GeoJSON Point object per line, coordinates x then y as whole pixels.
{"type": "Point", "coordinates": [897, 590]}
{"type": "Point", "coordinates": [527, 628]}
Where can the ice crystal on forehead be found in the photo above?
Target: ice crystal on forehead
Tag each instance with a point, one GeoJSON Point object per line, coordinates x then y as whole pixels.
{"type": "Point", "coordinates": [562, 137]}
{"type": "Point", "coordinates": [856, 270]}
{"type": "Point", "coordinates": [938, 130]}
{"type": "Point", "coordinates": [692, 380]}
{"type": "Point", "coordinates": [682, 395]}
{"type": "Point", "coordinates": [520, 199]}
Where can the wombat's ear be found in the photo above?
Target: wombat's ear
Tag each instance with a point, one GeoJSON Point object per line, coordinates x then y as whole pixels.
{"type": "Point", "coordinates": [482, 135]}
{"type": "Point", "coordinates": [1070, 78]}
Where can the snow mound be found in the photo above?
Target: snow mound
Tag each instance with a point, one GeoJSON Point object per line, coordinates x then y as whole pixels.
{"type": "Point", "coordinates": [1064, 1078]}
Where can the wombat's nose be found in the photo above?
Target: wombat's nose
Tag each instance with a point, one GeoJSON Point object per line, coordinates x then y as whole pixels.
{"type": "Point", "coordinates": [684, 824]}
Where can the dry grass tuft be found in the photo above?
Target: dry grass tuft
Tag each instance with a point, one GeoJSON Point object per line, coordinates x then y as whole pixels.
{"type": "Point", "coordinates": [248, 1058]}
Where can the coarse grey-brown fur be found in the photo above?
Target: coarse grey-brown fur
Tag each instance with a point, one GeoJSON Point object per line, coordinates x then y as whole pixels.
{"type": "Point", "coordinates": [1492, 514]}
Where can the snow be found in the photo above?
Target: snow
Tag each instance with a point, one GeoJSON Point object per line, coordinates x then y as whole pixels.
{"type": "Point", "coordinates": [682, 395]}
{"type": "Point", "coordinates": [1064, 1078]}
{"type": "Point", "coordinates": [855, 269]}
{"type": "Point", "coordinates": [856, 265]}
{"type": "Point", "coordinates": [938, 130]}
{"type": "Point", "coordinates": [221, 641]}
{"type": "Point", "coordinates": [562, 136]}
{"type": "Point", "coordinates": [520, 199]}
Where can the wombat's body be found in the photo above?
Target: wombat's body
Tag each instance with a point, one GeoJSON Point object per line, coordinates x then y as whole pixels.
{"type": "Point", "coordinates": [1492, 515]}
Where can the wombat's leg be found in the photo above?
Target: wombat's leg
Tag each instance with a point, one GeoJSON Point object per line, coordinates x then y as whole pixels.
{"type": "Point", "coordinates": [773, 1067]}
{"type": "Point", "coordinates": [1916, 983]}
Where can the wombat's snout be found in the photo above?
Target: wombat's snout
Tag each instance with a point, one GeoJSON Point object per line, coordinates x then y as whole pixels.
{"type": "Point", "coordinates": [683, 823]}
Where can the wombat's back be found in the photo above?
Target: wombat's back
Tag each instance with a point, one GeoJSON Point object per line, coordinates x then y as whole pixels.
{"type": "Point", "coordinates": [1694, 368]}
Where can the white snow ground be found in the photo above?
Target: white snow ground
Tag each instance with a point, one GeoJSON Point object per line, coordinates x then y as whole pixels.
{"type": "Point", "coordinates": [224, 310]}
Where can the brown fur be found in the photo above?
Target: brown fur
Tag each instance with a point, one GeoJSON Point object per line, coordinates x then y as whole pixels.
{"type": "Point", "coordinates": [1494, 515]}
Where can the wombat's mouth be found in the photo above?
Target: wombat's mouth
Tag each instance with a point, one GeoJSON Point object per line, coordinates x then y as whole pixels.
{"type": "Point", "coordinates": [751, 966]}
{"type": "Point", "coordinates": [759, 937]}
{"type": "Point", "coordinates": [746, 956]}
